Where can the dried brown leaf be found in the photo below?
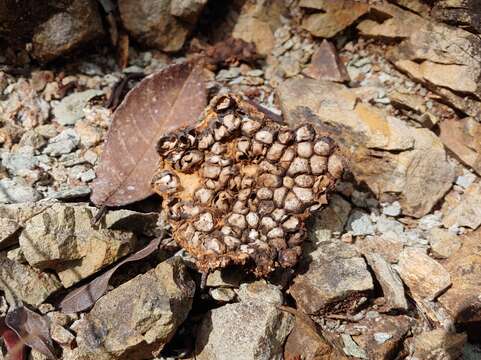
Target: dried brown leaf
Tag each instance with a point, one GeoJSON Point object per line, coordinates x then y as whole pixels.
{"type": "Point", "coordinates": [15, 347]}
{"type": "Point", "coordinates": [33, 329]}
{"type": "Point", "coordinates": [85, 296]}
{"type": "Point", "coordinates": [162, 102]}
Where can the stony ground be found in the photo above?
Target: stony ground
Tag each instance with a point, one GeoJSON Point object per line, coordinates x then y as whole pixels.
{"type": "Point", "coordinates": [391, 268]}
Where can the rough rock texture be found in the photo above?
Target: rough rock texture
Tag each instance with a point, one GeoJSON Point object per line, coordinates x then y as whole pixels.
{"type": "Point", "coordinates": [257, 22]}
{"type": "Point", "coordinates": [334, 216]}
{"type": "Point", "coordinates": [443, 243]}
{"type": "Point", "coordinates": [9, 230]}
{"type": "Point", "coordinates": [462, 300]}
{"type": "Point", "coordinates": [449, 62]}
{"type": "Point", "coordinates": [391, 284]}
{"type": "Point", "coordinates": [464, 13]}
{"type": "Point", "coordinates": [151, 305]}
{"type": "Point", "coordinates": [66, 30]}
{"type": "Point", "coordinates": [326, 64]}
{"type": "Point", "coordinates": [438, 344]}
{"type": "Point", "coordinates": [331, 17]}
{"type": "Point", "coordinates": [424, 276]}
{"type": "Point", "coordinates": [239, 186]}
{"type": "Point", "coordinates": [163, 24]}
{"type": "Point", "coordinates": [23, 283]}
{"type": "Point", "coordinates": [62, 238]}
{"type": "Point", "coordinates": [384, 152]}
{"type": "Point", "coordinates": [336, 278]}
{"type": "Point", "coordinates": [261, 336]}
{"type": "Point", "coordinates": [468, 211]}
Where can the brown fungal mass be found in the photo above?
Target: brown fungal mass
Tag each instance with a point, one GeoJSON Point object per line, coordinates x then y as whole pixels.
{"type": "Point", "coordinates": [238, 187]}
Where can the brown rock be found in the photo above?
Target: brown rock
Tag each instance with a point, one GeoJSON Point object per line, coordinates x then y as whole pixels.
{"type": "Point", "coordinates": [334, 281]}
{"type": "Point", "coordinates": [439, 344]}
{"type": "Point", "coordinates": [388, 245]}
{"type": "Point", "coordinates": [443, 243]}
{"type": "Point", "coordinates": [333, 17]}
{"type": "Point", "coordinates": [462, 138]}
{"type": "Point", "coordinates": [326, 64]}
{"type": "Point", "coordinates": [151, 307]}
{"type": "Point", "coordinates": [369, 136]}
{"type": "Point", "coordinates": [79, 24]}
{"type": "Point", "coordinates": [468, 211]}
{"type": "Point", "coordinates": [9, 231]}
{"type": "Point", "coordinates": [163, 24]}
{"type": "Point", "coordinates": [334, 216]}
{"type": "Point", "coordinates": [391, 284]}
{"type": "Point", "coordinates": [463, 13]}
{"type": "Point", "coordinates": [462, 300]}
{"type": "Point", "coordinates": [257, 22]}
{"type": "Point", "coordinates": [424, 276]}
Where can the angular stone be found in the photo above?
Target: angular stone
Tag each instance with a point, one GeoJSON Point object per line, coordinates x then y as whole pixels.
{"type": "Point", "coordinates": [224, 278]}
{"type": "Point", "coordinates": [306, 343]}
{"type": "Point", "coordinates": [9, 231]}
{"type": "Point", "coordinates": [334, 16]}
{"type": "Point", "coordinates": [391, 284]}
{"type": "Point", "coordinates": [128, 220]}
{"type": "Point", "coordinates": [70, 109]}
{"type": "Point", "coordinates": [326, 64]}
{"type": "Point", "coordinates": [369, 136]}
{"type": "Point", "coordinates": [424, 276]}
{"type": "Point", "coordinates": [359, 223]}
{"type": "Point", "coordinates": [243, 331]}
{"type": "Point", "coordinates": [463, 13]}
{"type": "Point", "coordinates": [443, 243]}
{"type": "Point", "coordinates": [62, 238]}
{"type": "Point", "coordinates": [334, 216]}
{"type": "Point", "coordinates": [383, 335]}
{"type": "Point", "coordinates": [24, 283]}
{"type": "Point", "coordinates": [157, 23]}
{"type": "Point", "coordinates": [261, 291]}
{"type": "Point", "coordinates": [334, 281]}
{"type": "Point", "coordinates": [462, 299]}
{"type": "Point", "coordinates": [79, 24]}
{"type": "Point", "coordinates": [388, 245]}
{"type": "Point", "coordinates": [257, 23]}
{"type": "Point", "coordinates": [439, 344]}
{"type": "Point", "coordinates": [468, 211]}
{"type": "Point", "coordinates": [16, 190]}
{"type": "Point", "coordinates": [151, 307]}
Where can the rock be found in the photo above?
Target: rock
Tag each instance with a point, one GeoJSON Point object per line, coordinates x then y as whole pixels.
{"type": "Point", "coordinates": [326, 64]}
{"type": "Point", "coordinates": [462, 300]}
{"type": "Point", "coordinates": [332, 16]}
{"type": "Point", "coordinates": [443, 243]}
{"type": "Point", "coordinates": [129, 220]}
{"type": "Point", "coordinates": [222, 294]}
{"type": "Point", "coordinates": [79, 24]}
{"type": "Point", "coordinates": [438, 344]}
{"type": "Point", "coordinates": [162, 24]}
{"type": "Point", "coordinates": [359, 223]}
{"type": "Point", "coordinates": [449, 72]}
{"type": "Point", "coordinates": [260, 291]}
{"type": "Point", "coordinates": [460, 137]}
{"type": "Point", "coordinates": [16, 190]}
{"type": "Point", "coordinates": [246, 330]}
{"type": "Point", "coordinates": [388, 245]}
{"type": "Point", "coordinates": [152, 306]}
{"type": "Point", "coordinates": [62, 238]}
{"type": "Point", "coordinates": [63, 143]}
{"type": "Point", "coordinates": [17, 162]}
{"type": "Point", "coordinates": [23, 283]}
{"type": "Point", "coordinates": [61, 335]}
{"type": "Point", "coordinates": [391, 284]}
{"type": "Point", "coordinates": [382, 336]}
{"type": "Point", "coordinates": [385, 153]}
{"type": "Point", "coordinates": [466, 179]}
{"type": "Point", "coordinates": [393, 209]}
{"type": "Point", "coordinates": [67, 193]}
{"type": "Point", "coordinates": [468, 211]}
{"type": "Point", "coordinates": [424, 277]}
{"type": "Point", "coordinates": [335, 215]}
{"type": "Point", "coordinates": [464, 13]}
{"type": "Point", "coordinates": [306, 343]}
{"type": "Point", "coordinates": [9, 231]}
{"type": "Point", "coordinates": [335, 280]}
{"type": "Point", "coordinates": [352, 349]}
{"type": "Point", "coordinates": [70, 109]}
{"type": "Point", "coordinates": [224, 278]}
{"type": "Point", "coordinates": [257, 23]}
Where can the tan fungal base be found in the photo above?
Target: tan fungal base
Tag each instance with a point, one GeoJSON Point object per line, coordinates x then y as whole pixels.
{"type": "Point", "coordinates": [239, 186]}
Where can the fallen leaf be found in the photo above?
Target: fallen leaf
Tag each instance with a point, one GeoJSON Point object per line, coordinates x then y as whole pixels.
{"type": "Point", "coordinates": [32, 328]}
{"type": "Point", "coordinates": [85, 296]}
{"type": "Point", "coordinates": [15, 347]}
{"type": "Point", "coordinates": [160, 103]}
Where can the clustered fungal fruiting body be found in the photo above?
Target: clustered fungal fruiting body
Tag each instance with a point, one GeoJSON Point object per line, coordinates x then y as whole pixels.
{"type": "Point", "coordinates": [238, 186]}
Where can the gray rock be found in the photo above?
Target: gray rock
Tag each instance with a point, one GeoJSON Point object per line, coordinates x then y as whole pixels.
{"type": "Point", "coordinates": [70, 193]}
{"type": "Point", "coordinates": [16, 190]}
{"type": "Point", "coordinates": [261, 291]}
{"type": "Point", "coordinates": [334, 216]}
{"type": "Point", "coordinates": [336, 279]}
{"type": "Point", "coordinates": [139, 223]}
{"type": "Point", "coordinates": [222, 294]}
{"type": "Point", "coordinates": [23, 159]}
{"type": "Point", "coordinates": [70, 109]}
{"type": "Point", "coordinates": [393, 209]}
{"type": "Point", "coordinates": [466, 179]}
{"type": "Point", "coordinates": [391, 284]}
{"type": "Point", "coordinates": [62, 238]}
{"type": "Point", "coordinates": [151, 308]}
{"type": "Point", "coordinates": [23, 283]}
{"type": "Point", "coordinates": [359, 223]}
{"type": "Point", "coordinates": [244, 331]}
{"type": "Point", "coordinates": [351, 348]}
{"type": "Point", "coordinates": [387, 225]}
{"type": "Point", "coordinates": [63, 143]}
